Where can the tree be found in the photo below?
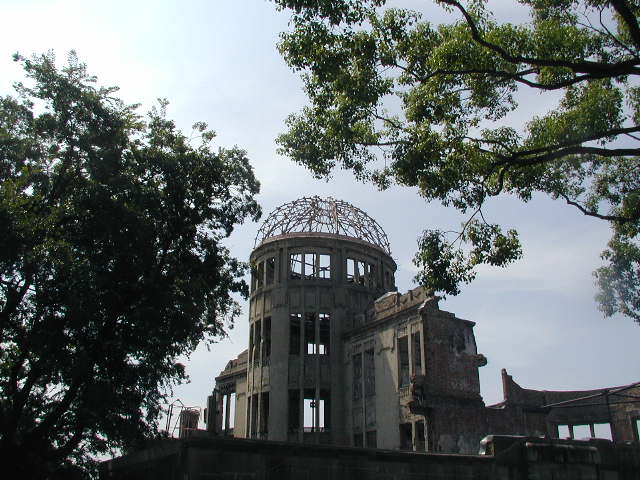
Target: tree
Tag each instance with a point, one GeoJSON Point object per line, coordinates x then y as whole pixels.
{"type": "Point", "coordinates": [398, 100]}
{"type": "Point", "coordinates": [111, 264]}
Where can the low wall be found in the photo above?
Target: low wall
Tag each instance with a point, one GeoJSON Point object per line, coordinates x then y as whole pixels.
{"type": "Point", "coordinates": [242, 459]}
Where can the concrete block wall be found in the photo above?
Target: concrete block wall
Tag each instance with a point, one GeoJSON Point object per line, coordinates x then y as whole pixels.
{"type": "Point", "coordinates": [220, 458]}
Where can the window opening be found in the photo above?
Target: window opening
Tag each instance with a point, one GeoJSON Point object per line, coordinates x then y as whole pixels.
{"type": "Point", "coordinates": [232, 410]}
{"type": "Point", "coordinates": [254, 277]}
{"type": "Point", "coordinates": [248, 416]}
{"type": "Point", "coordinates": [224, 412]}
{"type": "Point", "coordinates": [251, 343]}
{"type": "Point", "coordinates": [372, 441]}
{"type": "Point", "coordinates": [362, 272]}
{"type": "Point", "coordinates": [228, 412]}
{"type": "Point", "coordinates": [264, 414]}
{"type": "Point", "coordinates": [581, 431]}
{"type": "Point", "coordinates": [310, 268]}
{"type": "Point", "coordinates": [420, 439]}
{"type": "Point", "coordinates": [254, 415]}
{"type": "Point", "coordinates": [324, 266]}
{"type": "Point", "coordinates": [372, 278]}
{"type": "Point", "coordinates": [294, 333]}
{"type": "Point", "coordinates": [310, 333]}
{"type": "Point", "coordinates": [369, 373]}
{"type": "Point", "coordinates": [602, 430]}
{"type": "Point", "coordinates": [403, 362]}
{"type": "Point", "coordinates": [229, 400]}
{"type": "Point", "coordinates": [325, 333]}
{"type": "Point", "coordinates": [309, 405]}
{"type": "Point", "coordinates": [357, 440]}
{"type": "Point", "coordinates": [294, 410]}
{"type": "Point", "coordinates": [405, 437]}
{"type": "Point", "coordinates": [416, 352]}
{"type": "Point", "coordinates": [271, 270]}
{"type": "Point", "coordinates": [296, 266]}
{"type": "Point", "coordinates": [592, 430]}
{"type": "Point", "coordinates": [260, 275]}
{"type": "Point", "coordinates": [266, 344]}
{"type": "Point", "coordinates": [356, 362]}
{"type": "Point", "coordinates": [258, 342]}
{"type": "Point", "coordinates": [351, 270]}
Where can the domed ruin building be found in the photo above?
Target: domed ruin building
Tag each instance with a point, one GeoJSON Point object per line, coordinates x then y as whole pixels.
{"type": "Point", "coordinates": [326, 364]}
{"type": "Point", "coordinates": [337, 356]}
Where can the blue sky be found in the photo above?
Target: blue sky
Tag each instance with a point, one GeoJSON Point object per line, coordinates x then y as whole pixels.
{"type": "Point", "coordinates": [216, 61]}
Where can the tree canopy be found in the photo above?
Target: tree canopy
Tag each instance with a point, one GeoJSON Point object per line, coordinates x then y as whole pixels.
{"type": "Point", "coordinates": [111, 264]}
{"type": "Point", "coordinates": [399, 100]}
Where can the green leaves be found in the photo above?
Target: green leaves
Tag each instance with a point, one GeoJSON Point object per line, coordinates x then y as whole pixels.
{"type": "Point", "coordinates": [444, 267]}
{"type": "Point", "coordinates": [400, 101]}
{"type": "Point", "coordinates": [618, 280]}
{"type": "Point", "coordinates": [111, 263]}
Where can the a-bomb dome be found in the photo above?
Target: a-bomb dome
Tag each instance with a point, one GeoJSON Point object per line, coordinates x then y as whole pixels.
{"type": "Point", "coordinates": [324, 216]}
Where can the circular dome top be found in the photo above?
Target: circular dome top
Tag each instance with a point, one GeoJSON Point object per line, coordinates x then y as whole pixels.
{"type": "Point", "coordinates": [323, 215]}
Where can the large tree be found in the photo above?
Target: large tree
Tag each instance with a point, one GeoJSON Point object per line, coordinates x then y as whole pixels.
{"type": "Point", "coordinates": [401, 101]}
{"type": "Point", "coordinates": [111, 264]}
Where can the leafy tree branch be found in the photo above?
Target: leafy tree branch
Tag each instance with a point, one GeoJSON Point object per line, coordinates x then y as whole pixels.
{"type": "Point", "coordinates": [452, 88]}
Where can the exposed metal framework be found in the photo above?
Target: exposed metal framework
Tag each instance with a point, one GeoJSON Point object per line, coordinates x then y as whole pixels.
{"type": "Point", "coordinates": [323, 215]}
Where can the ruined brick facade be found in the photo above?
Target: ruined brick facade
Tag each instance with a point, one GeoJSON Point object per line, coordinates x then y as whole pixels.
{"type": "Point", "coordinates": [337, 356]}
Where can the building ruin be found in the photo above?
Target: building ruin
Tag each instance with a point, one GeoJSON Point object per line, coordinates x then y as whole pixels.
{"type": "Point", "coordinates": [337, 356]}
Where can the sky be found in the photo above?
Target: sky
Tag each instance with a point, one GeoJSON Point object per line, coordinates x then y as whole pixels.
{"type": "Point", "coordinates": [216, 61]}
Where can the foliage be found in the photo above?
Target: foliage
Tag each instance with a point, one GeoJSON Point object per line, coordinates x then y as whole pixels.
{"type": "Point", "coordinates": [398, 100]}
{"type": "Point", "coordinates": [111, 264]}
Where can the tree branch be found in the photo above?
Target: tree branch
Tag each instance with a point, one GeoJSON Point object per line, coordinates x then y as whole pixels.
{"type": "Point", "coordinates": [394, 124]}
{"type": "Point", "coordinates": [606, 69]}
{"type": "Point", "coordinates": [381, 144]}
{"type": "Point", "coordinates": [519, 77]}
{"type": "Point", "coordinates": [629, 18]}
{"type": "Point", "coordinates": [517, 156]}
{"type": "Point", "coordinates": [71, 444]}
{"type": "Point", "coordinates": [603, 152]}
{"type": "Point", "coordinates": [54, 415]}
{"type": "Point", "coordinates": [615, 39]}
{"type": "Point", "coordinates": [590, 213]}
{"type": "Point", "coordinates": [588, 138]}
{"type": "Point", "coordinates": [466, 224]}
{"type": "Point", "coordinates": [500, 185]}
{"type": "Point", "coordinates": [14, 297]}
{"type": "Point", "coordinates": [14, 412]}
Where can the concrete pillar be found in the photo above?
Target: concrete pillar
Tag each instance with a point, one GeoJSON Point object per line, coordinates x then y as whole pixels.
{"type": "Point", "coordinates": [279, 374]}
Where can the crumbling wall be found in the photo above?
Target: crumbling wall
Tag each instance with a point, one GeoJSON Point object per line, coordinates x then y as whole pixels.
{"type": "Point", "coordinates": [617, 406]}
{"type": "Point", "coordinates": [452, 359]}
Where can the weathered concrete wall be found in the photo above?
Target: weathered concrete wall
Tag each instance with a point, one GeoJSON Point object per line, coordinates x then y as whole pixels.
{"type": "Point", "coordinates": [387, 390]}
{"type": "Point", "coordinates": [286, 294]}
{"type": "Point", "coordinates": [449, 404]}
{"type": "Point", "coordinates": [546, 409]}
{"type": "Point", "coordinates": [219, 458]}
{"type": "Point", "coordinates": [452, 408]}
